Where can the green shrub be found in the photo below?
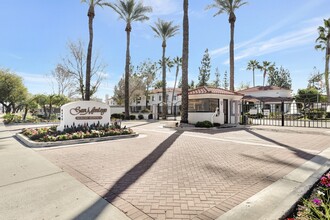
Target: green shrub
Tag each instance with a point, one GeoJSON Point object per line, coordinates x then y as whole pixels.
{"type": "Point", "coordinates": [140, 117]}
{"type": "Point", "coordinates": [132, 117]}
{"type": "Point", "coordinates": [118, 116]}
{"type": "Point", "coordinates": [145, 111]}
{"type": "Point", "coordinates": [150, 116]}
{"type": "Point", "coordinates": [12, 118]}
{"type": "Point", "coordinates": [216, 124]}
{"type": "Point", "coordinates": [316, 114]}
{"type": "Point", "coordinates": [204, 124]}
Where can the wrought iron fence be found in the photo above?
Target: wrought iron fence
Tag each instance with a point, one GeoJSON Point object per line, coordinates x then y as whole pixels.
{"type": "Point", "coordinates": [293, 114]}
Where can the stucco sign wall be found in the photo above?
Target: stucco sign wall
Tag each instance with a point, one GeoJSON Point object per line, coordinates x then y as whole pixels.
{"type": "Point", "coordinates": [83, 112]}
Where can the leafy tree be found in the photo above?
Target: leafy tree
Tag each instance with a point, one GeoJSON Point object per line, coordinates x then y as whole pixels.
{"type": "Point", "coordinates": [252, 65]}
{"type": "Point", "coordinates": [164, 30]}
{"type": "Point", "coordinates": [91, 14]}
{"type": "Point", "coordinates": [55, 100]}
{"type": "Point", "coordinates": [12, 90]}
{"type": "Point", "coordinates": [129, 11]}
{"type": "Point", "coordinates": [136, 89]}
{"type": "Point", "coordinates": [29, 105]}
{"type": "Point", "coordinates": [266, 67]}
{"type": "Point", "coordinates": [309, 95]}
{"type": "Point", "coordinates": [205, 69]}
{"type": "Point", "coordinates": [71, 70]}
{"type": "Point", "coordinates": [217, 81]}
{"type": "Point", "coordinates": [243, 85]}
{"type": "Point", "coordinates": [158, 84]}
{"type": "Point", "coordinates": [148, 71]}
{"type": "Point", "coordinates": [42, 101]}
{"type": "Point", "coordinates": [229, 7]}
{"type": "Point", "coordinates": [280, 77]}
{"type": "Point", "coordinates": [185, 56]}
{"type": "Point", "coordinates": [323, 43]}
{"type": "Point", "coordinates": [192, 84]}
{"type": "Point", "coordinates": [225, 83]}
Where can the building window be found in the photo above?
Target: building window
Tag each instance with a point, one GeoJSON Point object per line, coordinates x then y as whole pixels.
{"type": "Point", "coordinates": [160, 98]}
{"type": "Point", "coordinates": [152, 98]}
{"type": "Point", "coordinates": [203, 105]}
{"type": "Point", "coordinates": [138, 100]}
{"type": "Point", "coordinates": [174, 97]}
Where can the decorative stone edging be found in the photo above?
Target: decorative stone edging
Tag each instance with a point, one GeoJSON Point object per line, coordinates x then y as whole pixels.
{"type": "Point", "coordinates": [35, 144]}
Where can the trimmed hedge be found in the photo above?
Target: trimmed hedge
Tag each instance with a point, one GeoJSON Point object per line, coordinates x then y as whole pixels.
{"type": "Point", "coordinates": [204, 124]}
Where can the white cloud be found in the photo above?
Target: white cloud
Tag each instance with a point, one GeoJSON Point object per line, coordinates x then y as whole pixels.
{"type": "Point", "coordinates": [34, 78]}
{"type": "Point", "coordinates": [283, 42]}
{"type": "Point", "coordinates": [15, 56]}
{"type": "Point", "coordinates": [163, 7]}
{"type": "Point", "coordinates": [219, 51]}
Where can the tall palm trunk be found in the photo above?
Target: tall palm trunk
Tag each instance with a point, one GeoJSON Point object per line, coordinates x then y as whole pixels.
{"type": "Point", "coordinates": [91, 15]}
{"type": "Point", "coordinates": [326, 71]}
{"type": "Point", "coordinates": [176, 77]}
{"type": "Point", "coordinates": [164, 82]}
{"type": "Point", "coordinates": [185, 53]}
{"type": "Point", "coordinates": [232, 19]}
{"type": "Point", "coordinates": [253, 78]}
{"type": "Point", "coordinates": [263, 83]}
{"type": "Point", "coordinates": [127, 73]}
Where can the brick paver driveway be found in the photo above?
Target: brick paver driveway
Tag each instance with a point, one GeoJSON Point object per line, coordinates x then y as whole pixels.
{"type": "Point", "coordinates": [167, 174]}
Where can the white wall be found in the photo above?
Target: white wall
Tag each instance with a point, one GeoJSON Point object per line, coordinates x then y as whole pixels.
{"type": "Point", "coordinates": [194, 117]}
{"type": "Point", "coordinates": [270, 93]}
{"type": "Point", "coordinates": [116, 109]}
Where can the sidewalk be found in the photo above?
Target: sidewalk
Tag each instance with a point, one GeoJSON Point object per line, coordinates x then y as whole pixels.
{"type": "Point", "coordinates": [31, 187]}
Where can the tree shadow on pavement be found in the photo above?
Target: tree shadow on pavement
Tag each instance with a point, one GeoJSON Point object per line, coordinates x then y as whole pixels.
{"type": "Point", "coordinates": [131, 176]}
{"type": "Point", "coordinates": [300, 153]}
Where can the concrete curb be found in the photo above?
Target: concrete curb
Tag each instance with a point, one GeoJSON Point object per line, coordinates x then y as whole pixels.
{"type": "Point", "coordinates": [278, 200]}
{"type": "Point", "coordinates": [26, 141]}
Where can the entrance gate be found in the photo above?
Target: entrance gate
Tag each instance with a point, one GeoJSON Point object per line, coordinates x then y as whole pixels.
{"type": "Point", "coordinates": [300, 114]}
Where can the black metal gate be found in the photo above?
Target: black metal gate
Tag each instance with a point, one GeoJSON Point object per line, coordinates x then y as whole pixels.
{"type": "Point", "coordinates": [292, 114]}
{"type": "Point", "coordinates": [173, 111]}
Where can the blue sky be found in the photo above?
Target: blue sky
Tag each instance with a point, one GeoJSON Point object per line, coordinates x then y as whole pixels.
{"type": "Point", "coordinates": [35, 34]}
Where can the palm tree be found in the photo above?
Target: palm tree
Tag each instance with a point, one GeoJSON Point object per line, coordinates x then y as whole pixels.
{"type": "Point", "coordinates": [324, 44]}
{"type": "Point", "coordinates": [91, 14]}
{"type": "Point", "coordinates": [178, 62]}
{"type": "Point", "coordinates": [229, 7]}
{"type": "Point", "coordinates": [164, 30]}
{"type": "Point", "coordinates": [129, 11]}
{"type": "Point", "coordinates": [266, 67]}
{"type": "Point", "coordinates": [185, 56]}
{"type": "Point", "coordinates": [252, 65]}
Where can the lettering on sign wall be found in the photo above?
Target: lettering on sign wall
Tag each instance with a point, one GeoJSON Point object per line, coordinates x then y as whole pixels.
{"type": "Point", "coordinates": [83, 112]}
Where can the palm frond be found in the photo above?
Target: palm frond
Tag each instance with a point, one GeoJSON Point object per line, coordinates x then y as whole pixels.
{"type": "Point", "coordinates": [225, 6]}
{"type": "Point", "coordinates": [130, 10]}
{"type": "Point", "coordinates": [165, 29]}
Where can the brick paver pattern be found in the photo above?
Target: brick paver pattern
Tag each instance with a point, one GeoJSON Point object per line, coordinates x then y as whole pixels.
{"type": "Point", "coordinates": [166, 174]}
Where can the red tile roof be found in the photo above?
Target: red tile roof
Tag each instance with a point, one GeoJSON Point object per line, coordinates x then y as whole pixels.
{"type": "Point", "coordinates": [210, 90]}
{"type": "Point", "coordinates": [262, 88]}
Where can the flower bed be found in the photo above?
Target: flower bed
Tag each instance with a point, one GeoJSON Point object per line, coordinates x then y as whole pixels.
{"type": "Point", "coordinates": [317, 204]}
{"type": "Point", "coordinates": [50, 134]}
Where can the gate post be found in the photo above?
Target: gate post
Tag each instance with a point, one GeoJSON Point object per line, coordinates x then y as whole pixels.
{"type": "Point", "coordinates": [282, 110]}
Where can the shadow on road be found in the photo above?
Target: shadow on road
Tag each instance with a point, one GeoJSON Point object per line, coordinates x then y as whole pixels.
{"type": "Point", "coordinates": [132, 175]}
{"type": "Point", "coordinates": [300, 153]}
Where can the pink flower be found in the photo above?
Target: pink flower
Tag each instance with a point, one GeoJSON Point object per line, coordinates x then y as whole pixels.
{"type": "Point", "coordinates": [317, 201]}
